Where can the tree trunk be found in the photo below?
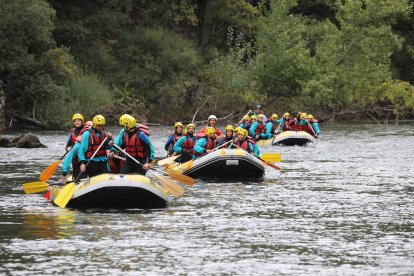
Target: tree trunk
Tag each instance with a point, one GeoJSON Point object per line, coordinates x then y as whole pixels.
{"type": "Point", "coordinates": [206, 18]}
{"type": "Point", "coordinates": [2, 107]}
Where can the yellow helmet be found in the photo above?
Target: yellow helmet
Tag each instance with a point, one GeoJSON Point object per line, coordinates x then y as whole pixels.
{"type": "Point", "coordinates": [274, 116]}
{"type": "Point", "coordinates": [130, 123]}
{"type": "Point", "coordinates": [98, 120]}
{"type": "Point", "coordinates": [310, 117]}
{"type": "Point", "coordinates": [303, 116]}
{"type": "Point", "coordinates": [238, 129]}
{"type": "Point", "coordinates": [122, 119]}
{"type": "Point", "coordinates": [246, 117]}
{"type": "Point", "coordinates": [77, 116]}
{"type": "Point", "coordinates": [190, 125]}
{"type": "Point", "coordinates": [210, 130]}
{"type": "Point", "coordinates": [253, 117]}
{"type": "Point", "coordinates": [286, 114]}
{"type": "Point", "coordinates": [244, 133]}
{"type": "Point", "coordinates": [178, 124]}
{"type": "Point", "coordinates": [230, 127]}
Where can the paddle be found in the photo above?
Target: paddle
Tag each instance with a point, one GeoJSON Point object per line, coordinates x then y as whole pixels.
{"type": "Point", "coordinates": [277, 130]}
{"type": "Point", "coordinates": [168, 160]}
{"type": "Point", "coordinates": [171, 186]}
{"type": "Point", "coordinates": [49, 171]}
{"type": "Point", "coordinates": [35, 187]}
{"type": "Point", "coordinates": [267, 163]}
{"type": "Point", "coordinates": [185, 166]}
{"type": "Point", "coordinates": [248, 112]}
{"type": "Point", "coordinates": [271, 157]}
{"type": "Point", "coordinates": [314, 133]}
{"type": "Point", "coordinates": [67, 192]}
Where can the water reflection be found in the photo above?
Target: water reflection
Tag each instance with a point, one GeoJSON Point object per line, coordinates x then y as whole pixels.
{"type": "Point", "coordinates": [57, 224]}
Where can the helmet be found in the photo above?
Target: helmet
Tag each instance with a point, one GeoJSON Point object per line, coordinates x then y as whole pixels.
{"type": "Point", "coordinates": [190, 125]}
{"type": "Point", "coordinates": [212, 117]}
{"type": "Point", "coordinates": [178, 124]}
{"type": "Point", "coordinates": [210, 130]}
{"type": "Point", "coordinates": [260, 117]}
{"type": "Point", "coordinates": [274, 116]}
{"type": "Point", "coordinates": [286, 114]}
{"type": "Point", "coordinates": [310, 117]}
{"type": "Point", "coordinates": [303, 116]}
{"type": "Point", "coordinates": [88, 124]}
{"type": "Point", "coordinates": [122, 119]}
{"type": "Point", "coordinates": [98, 120]}
{"type": "Point", "coordinates": [244, 133]}
{"type": "Point", "coordinates": [230, 127]}
{"type": "Point", "coordinates": [258, 106]}
{"type": "Point", "coordinates": [77, 116]}
{"type": "Point", "coordinates": [253, 117]}
{"type": "Point", "coordinates": [238, 129]}
{"type": "Point", "coordinates": [246, 117]}
{"type": "Point", "coordinates": [130, 123]}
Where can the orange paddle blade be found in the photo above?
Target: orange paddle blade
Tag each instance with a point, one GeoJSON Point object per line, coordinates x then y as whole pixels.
{"type": "Point", "coordinates": [49, 171]}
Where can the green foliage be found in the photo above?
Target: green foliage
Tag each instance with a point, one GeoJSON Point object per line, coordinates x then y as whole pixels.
{"type": "Point", "coordinates": [399, 95]}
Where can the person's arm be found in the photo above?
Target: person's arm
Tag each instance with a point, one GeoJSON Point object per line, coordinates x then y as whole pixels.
{"type": "Point", "coordinates": [152, 151]}
{"type": "Point", "coordinates": [252, 130]}
{"type": "Point", "coordinates": [178, 146]}
{"type": "Point", "coordinates": [169, 141]}
{"type": "Point", "coordinates": [268, 133]}
{"type": "Point", "coordinates": [83, 148]}
{"type": "Point", "coordinates": [147, 145]}
{"type": "Point", "coordinates": [200, 145]}
{"type": "Point", "coordinates": [119, 141]}
{"type": "Point", "coordinates": [316, 128]}
{"type": "Point", "coordinates": [256, 150]}
{"type": "Point", "coordinates": [69, 158]}
{"type": "Point", "coordinates": [69, 141]}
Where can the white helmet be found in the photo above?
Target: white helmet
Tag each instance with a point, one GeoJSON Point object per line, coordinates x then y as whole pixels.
{"type": "Point", "coordinates": [212, 117]}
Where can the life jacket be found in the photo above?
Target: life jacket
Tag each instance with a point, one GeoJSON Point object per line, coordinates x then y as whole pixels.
{"type": "Point", "coordinates": [176, 137]}
{"type": "Point", "coordinates": [134, 146]}
{"type": "Point", "coordinates": [226, 146]}
{"type": "Point", "coordinates": [74, 133]}
{"type": "Point", "coordinates": [94, 143]}
{"type": "Point", "coordinates": [188, 145]}
{"type": "Point", "coordinates": [290, 124]}
{"type": "Point", "coordinates": [260, 128]}
{"type": "Point", "coordinates": [210, 144]}
{"type": "Point", "coordinates": [144, 129]}
{"type": "Point", "coordinates": [274, 127]}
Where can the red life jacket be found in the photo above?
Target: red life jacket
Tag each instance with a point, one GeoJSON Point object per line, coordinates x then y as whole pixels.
{"type": "Point", "coordinates": [134, 146]}
{"type": "Point", "coordinates": [260, 128]}
{"type": "Point", "coordinates": [210, 143]}
{"type": "Point", "coordinates": [290, 125]}
{"type": "Point", "coordinates": [144, 129]}
{"type": "Point", "coordinates": [94, 143]}
{"type": "Point", "coordinates": [188, 145]}
{"type": "Point", "coordinates": [243, 144]}
{"type": "Point", "coordinates": [274, 127]}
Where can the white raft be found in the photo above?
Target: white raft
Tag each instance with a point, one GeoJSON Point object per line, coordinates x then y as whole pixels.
{"type": "Point", "coordinates": [293, 138]}
{"type": "Point", "coordinates": [117, 191]}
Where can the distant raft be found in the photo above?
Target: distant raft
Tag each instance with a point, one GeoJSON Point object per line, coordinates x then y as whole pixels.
{"type": "Point", "coordinates": [222, 163]}
{"type": "Point", "coordinates": [293, 138]}
{"type": "Point", "coordinates": [118, 192]}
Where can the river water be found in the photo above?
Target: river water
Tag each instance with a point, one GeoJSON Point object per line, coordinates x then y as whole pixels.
{"type": "Point", "coordinates": [342, 206]}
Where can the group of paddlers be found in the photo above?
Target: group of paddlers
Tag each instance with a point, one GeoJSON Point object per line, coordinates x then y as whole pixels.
{"type": "Point", "coordinates": [92, 151]}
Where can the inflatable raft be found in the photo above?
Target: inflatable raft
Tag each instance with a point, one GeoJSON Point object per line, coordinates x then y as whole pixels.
{"type": "Point", "coordinates": [117, 191]}
{"type": "Point", "coordinates": [222, 163]}
{"type": "Point", "coordinates": [293, 138]}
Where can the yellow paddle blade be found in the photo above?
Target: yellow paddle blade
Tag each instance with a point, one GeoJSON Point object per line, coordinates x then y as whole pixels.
{"type": "Point", "coordinates": [168, 160]}
{"type": "Point", "coordinates": [49, 171]}
{"type": "Point", "coordinates": [184, 179]}
{"type": "Point", "coordinates": [35, 187]}
{"type": "Point", "coordinates": [271, 157]}
{"type": "Point", "coordinates": [183, 167]}
{"type": "Point", "coordinates": [65, 195]}
{"type": "Point", "coordinates": [263, 142]}
{"type": "Point", "coordinates": [171, 186]}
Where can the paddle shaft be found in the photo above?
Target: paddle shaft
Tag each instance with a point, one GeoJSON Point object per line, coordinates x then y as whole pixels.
{"type": "Point", "coordinates": [93, 155]}
{"type": "Point", "coordinates": [242, 118]}
{"type": "Point", "coordinates": [274, 135]}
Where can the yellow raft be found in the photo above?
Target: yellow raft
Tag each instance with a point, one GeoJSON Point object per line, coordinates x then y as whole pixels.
{"type": "Point", "coordinates": [222, 163]}
{"type": "Point", "coordinates": [293, 138]}
{"type": "Point", "coordinates": [117, 191]}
